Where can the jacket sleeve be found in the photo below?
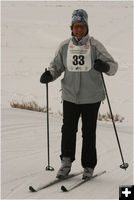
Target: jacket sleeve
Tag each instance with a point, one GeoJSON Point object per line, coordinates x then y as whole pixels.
{"type": "Point", "coordinates": [56, 66]}
{"type": "Point", "coordinates": [102, 54]}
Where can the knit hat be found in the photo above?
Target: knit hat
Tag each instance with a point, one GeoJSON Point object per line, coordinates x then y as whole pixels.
{"type": "Point", "coordinates": [78, 16]}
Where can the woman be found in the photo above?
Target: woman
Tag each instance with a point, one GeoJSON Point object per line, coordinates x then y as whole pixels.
{"type": "Point", "coordinates": [82, 59]}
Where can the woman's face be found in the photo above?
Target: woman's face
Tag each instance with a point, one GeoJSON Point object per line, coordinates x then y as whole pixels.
{"type": "Point", "coordinates": [79, 30]}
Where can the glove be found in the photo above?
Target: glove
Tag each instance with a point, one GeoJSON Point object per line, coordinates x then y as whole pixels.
{"type": "Point", "coordinates": [46, 77]}
{"type": "Point", "coordinates": [101, 66]}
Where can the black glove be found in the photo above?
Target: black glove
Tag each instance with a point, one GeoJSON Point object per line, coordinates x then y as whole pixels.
{"type": "Point", "coordinates": [101, 66]}
{"type": "Point", "coordinates": [46, 77]}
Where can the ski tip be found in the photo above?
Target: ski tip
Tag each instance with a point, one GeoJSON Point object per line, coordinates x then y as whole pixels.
{"type": "Point", "coordinates": [64, 189]}
{"type": "Point", "coordinates": [32, 189]}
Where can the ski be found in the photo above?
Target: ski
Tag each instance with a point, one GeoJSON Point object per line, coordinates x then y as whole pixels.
{"type": "Point", "coordinates": [65, 189]}
{"type": "Point", "coordinates": [55, 181]}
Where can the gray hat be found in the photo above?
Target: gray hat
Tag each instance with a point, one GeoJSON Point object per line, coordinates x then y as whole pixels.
{"type": "Point", "coordinates": [80, 15]}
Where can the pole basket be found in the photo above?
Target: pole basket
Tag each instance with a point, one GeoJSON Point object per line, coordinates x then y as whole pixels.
{"type": "Point", "coordinates": [49, 168]}
{"type": "Point", "coordinates": [124, 166]}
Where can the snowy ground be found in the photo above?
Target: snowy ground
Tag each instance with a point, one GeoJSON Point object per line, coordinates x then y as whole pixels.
{"type": "Point", "coordinates": [31, 33]}
{"type": "Point", "coordinates": [24, 158]}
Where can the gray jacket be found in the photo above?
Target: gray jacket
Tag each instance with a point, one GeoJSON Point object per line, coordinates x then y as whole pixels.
{"type": "Point", "coordinates": [82, 87]}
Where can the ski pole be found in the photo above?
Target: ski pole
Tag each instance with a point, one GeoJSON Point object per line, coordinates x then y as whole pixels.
{"type": "Point", "coordinates": [48, 168]}
{"type": "Point", "coordinates": [124, 165]}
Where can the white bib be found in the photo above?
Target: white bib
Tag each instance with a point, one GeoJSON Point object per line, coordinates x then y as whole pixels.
{"type": "Point", "coordinates": [78, 57]}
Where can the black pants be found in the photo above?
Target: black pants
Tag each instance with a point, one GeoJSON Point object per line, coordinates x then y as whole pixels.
{"type": "Point", "coordinates": [71, 115]}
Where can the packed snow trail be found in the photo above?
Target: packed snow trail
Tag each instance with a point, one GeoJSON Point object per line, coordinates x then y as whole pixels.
{"type": "Point", "coordinates": [24, 157]}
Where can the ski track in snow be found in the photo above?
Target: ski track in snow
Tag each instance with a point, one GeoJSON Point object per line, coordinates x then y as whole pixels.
{"type": "Point", "coordinates": [23, 162]}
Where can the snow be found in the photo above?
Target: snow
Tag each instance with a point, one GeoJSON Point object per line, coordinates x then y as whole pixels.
{"type": "Point", "coordinates": [31, 33]}
{"type": "Point", "coordinates": [24, 158]}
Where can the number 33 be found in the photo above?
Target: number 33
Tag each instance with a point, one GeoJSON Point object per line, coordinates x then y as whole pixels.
{"type": "Point", "coordinates": [78, 60]}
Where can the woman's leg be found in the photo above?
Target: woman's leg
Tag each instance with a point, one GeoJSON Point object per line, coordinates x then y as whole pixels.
{"type": "Point", "coordinates": [71, 114]}
{"type": "Point", "coordinates": [89, 121]}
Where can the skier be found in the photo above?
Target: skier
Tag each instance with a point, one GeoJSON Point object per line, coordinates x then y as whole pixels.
{"type": "Point", "coordinates": [82, 59]}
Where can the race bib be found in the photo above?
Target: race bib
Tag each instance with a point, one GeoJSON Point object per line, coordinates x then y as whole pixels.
{"type": "Point", "coordinates": [78, 57]}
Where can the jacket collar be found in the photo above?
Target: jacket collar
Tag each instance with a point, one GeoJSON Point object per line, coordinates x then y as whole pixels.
{"type": "Point", "coordinates": [80, 42]}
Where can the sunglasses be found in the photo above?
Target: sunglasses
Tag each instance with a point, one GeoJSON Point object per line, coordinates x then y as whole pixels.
{"type": "Point", "coordinates": [82, 26]}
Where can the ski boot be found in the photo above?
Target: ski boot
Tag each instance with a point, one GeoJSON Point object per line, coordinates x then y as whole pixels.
{"type": "Point", "coordinates": [88, 173]}
{"type": "Point", "coordinates": [65, 168]}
